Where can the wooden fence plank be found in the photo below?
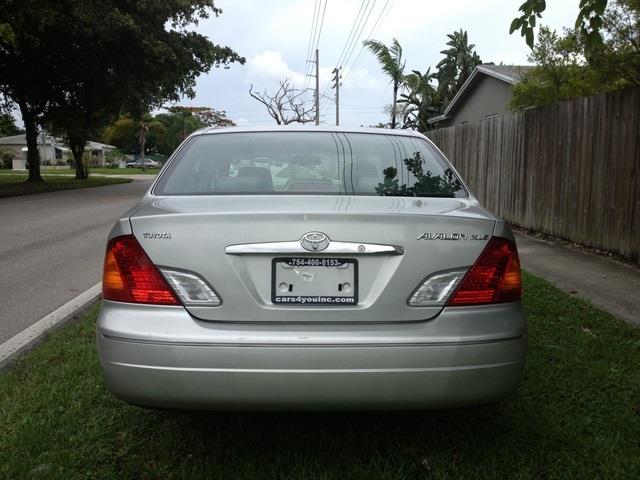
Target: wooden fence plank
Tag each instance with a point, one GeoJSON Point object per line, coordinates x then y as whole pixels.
{"type": "Point", "coordinates": [571, 169]}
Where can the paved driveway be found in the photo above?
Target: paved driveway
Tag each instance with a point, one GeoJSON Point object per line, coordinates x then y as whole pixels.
{"type": "Point", "coordinates": [52, 247]}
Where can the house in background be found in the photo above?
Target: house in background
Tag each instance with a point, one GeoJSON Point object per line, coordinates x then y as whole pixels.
{"type": "Point", "coordinates": [52, 151]}
{"type": "Point", "coordinates": [485, 94]}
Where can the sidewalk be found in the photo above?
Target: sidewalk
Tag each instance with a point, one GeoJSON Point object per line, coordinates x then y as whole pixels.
{"type": "Point", "coordinates": [608, 284]}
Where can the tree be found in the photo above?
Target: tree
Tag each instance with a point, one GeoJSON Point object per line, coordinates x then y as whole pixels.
{"type": "Point", "coordinates": [8, 125]}
{"type": "Point", "coordinates": [29, 48]}
{"type": "Point", "coordinates": [161, 64]}
{"type": "Point", "coordinates": [181, 121]}
{"type": "Point", "coordinates": [125, 134]}
{"type": "Point", "coordinates": [208, 117]}
{"type": "Point", "coordinates": [455, 68]}
{"type": "Point", "coordinates": [589, 21]}
{"type": "Point", "coordinates": [421, 102]}
{"type": "Point", "coordinates": [286, 106]}
{"type": "Point", "coordinates": [63, 70]}
{"type": "Point", "coordinates": [563, 71]}
{"type": "Point", "coordinates": [392, 63]}
{"type": "Point", "coordinates": [617, 59]}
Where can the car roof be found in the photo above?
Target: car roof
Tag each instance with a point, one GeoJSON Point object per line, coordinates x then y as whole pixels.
{"type": "Point", "coordinates": [308, 128]}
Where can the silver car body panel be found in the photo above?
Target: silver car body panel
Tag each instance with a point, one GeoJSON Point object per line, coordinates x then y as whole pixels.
{"type": "Point", "coordinates": [249, 353]}
{"type": "Point", "coordinates": [164, 357]}
{"type": "Point", "coordinates": [203, 227]}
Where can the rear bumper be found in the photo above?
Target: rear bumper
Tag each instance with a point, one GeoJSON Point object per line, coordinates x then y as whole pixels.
{"type": "Point", "coordinates": [278, 368]}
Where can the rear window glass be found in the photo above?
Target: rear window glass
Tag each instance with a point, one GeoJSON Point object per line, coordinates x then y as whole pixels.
{"type": "Point", "coordinates": [309, 163]}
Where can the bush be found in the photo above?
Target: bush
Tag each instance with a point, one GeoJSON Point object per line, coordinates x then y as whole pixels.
{"type": "Point", "coordinates": [6, 158]}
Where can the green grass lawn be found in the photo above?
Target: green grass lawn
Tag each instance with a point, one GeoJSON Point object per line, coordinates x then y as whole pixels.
{"type": "Point", "coordinates": [13, 185]}
{"type": "Point", "coordinates": [101, 171]}
{"type": "Point", "coordinates": [576, 415]}
{"type": "Point", "coordinates": [124, 171]}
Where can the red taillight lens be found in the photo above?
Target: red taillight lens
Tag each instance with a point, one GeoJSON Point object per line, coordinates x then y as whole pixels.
{"type": "Point", "coordinates": [129, 275]}
{"type": "Point", "coordinates": [494, 278]}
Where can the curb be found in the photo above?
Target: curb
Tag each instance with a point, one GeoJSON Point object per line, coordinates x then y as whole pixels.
{"type": "Point", "coordinates": [36, 333]}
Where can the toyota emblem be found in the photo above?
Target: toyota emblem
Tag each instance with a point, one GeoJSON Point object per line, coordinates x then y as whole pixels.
{"type": "Point", "coordinates": [314, 241]}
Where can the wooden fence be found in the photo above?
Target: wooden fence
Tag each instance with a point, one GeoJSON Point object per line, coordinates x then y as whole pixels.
{"type": "Point", "coordinates": [571, 169]}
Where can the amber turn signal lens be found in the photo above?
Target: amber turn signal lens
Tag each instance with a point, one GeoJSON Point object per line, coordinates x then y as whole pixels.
{"type": "Point", "coordinates": [130, 276]}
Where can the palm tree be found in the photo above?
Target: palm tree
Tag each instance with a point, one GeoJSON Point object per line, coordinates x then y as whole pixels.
{"type": "Point", "coordinates": [460, 60]}
{"type": "Point", "coordinates": [421, 102]}
{"type": "Point", "coordinates": [392, 64]}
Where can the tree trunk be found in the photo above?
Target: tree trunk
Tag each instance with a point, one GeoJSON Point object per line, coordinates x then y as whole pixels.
{"type": "Point", "coordinates": [31, 130]}
{"type": "Point", "coordinates": [142, 143]}
{"type": "Point", "coordinates": [78, 152]}
{"type": "Point", "coordinates": [395, 101]}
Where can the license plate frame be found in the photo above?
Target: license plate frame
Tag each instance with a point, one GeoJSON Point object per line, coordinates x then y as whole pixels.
{"type": "Point", "coordinates": [308, 263]}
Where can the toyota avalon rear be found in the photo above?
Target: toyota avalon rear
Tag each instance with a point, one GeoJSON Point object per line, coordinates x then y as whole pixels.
{"type": "Point", "coordinates": [313, 268]}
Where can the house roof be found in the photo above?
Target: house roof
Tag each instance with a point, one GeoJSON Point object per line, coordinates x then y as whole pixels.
{"type": "Point", "coordinates": [510, 74]}
{"type": "Point", "coordinates": [14, 140]}
{"type": "Point", "coordinates": [22, 140]}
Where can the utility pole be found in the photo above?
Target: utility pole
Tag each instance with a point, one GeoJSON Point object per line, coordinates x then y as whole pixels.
{"type": "Point", "coordinates": [317, 89]}
{"type": "Point", "coordinates": [336, 78]}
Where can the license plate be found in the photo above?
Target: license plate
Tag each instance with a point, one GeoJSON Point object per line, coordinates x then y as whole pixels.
{"type": "Point", "coordinates": [314, 281]}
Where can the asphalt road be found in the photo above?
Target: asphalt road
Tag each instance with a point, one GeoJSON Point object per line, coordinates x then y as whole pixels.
{"type": "Point", "coordinates": [52, 248]}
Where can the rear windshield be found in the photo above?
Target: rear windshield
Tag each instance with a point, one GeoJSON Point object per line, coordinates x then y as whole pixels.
{"type": "Point", "coordinates": [309, 163]}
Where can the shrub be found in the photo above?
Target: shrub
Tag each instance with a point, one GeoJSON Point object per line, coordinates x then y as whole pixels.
{"type": "Point", "coordinates": [6, 158]}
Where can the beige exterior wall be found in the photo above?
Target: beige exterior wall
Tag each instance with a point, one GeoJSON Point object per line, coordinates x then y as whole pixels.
{"type": "Point", "coordinates": [488, 97]}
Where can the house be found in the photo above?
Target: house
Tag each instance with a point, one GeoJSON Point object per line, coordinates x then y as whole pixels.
{"type": "Point", "coordinates": [52, 150]}
{"type": "Point", "coordinates": [485, 94]}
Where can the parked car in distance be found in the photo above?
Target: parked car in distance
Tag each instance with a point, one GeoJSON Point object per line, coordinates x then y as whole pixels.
{"type": "Point", "coordinates": [312, 268]}
{"type": "Point", "coordinates": [148, 163]}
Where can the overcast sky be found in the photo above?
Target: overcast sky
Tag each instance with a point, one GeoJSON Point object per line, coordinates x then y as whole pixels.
{"type": "Point", "coordinates": [274, 36]}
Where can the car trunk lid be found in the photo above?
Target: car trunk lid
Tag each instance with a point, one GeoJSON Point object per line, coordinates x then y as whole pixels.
{"type": "Point", "coordinates": [232, 241]}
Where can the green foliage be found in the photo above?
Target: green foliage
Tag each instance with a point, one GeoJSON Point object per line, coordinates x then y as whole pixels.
{"type": "Point", "coordinates": [426, 184]}
{"type": "Point", "coordinates": [428, 94]}
{"type": "Point", "coordinates": [8, 125]}
{"type": "Point", "coordinates": [164, 131]}
{"type": "Point", "coordinates": [114, 156]}
{"type": "Point", "coordinates": [392, 63]}
{"type": "Point", "coordinates": [207, 116]}
{"type": "Point", "coordinates": [421, 101]}
{"type": "Point", "coordinates": [575, 416]}
{"type": "Point", "coordinates": [617, 59]}
{"type": "Point", "coordinates": [13, 185]}
{"type": "Point", "coordinates": [6, 158]}
{"type": "Point", "coordinates": [588, 22]}
{"type": "Point", "coordinates": [564, 70]}
{"type": "Point", "coordinates": [561, 72]}
{"type": "Point", "coordinates": [455, 68]}
{"type": "Point", "coordinates": [124, 134]}
{"type": "Point", "coordinates": [182, 121]}
{"type": "Point", "coordinates": [77, 64]}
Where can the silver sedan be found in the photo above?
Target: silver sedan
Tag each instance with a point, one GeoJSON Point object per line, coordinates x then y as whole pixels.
{"type": "Point", "coordinates": [310, 268]}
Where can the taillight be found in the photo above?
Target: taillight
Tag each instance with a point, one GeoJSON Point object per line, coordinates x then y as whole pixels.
{"type": "Point", "coordinates": [494, 278]}
{"type": "Point", "coordinates": [129, 275]}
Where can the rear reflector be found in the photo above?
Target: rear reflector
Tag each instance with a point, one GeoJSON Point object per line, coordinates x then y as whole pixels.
{"type": "Point", "coordinates": [494, 278]}
{"type": "Point", "coordinates": [436, 289]}
{"type": "Point", "coordinates": [129, 275]}
{"type": "Point", "coordinates": [191, 289]}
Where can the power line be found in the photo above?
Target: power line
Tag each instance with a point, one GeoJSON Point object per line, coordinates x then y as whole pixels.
{"type": "Point", "coordinates": [359, 27]}
{"type": "Point", "coordinates": [364, 24]}
{"type": "Point", "coordinates": [354, 27]}
{"type": "Point", "coordinates": [316, 10]}
{"type": "Point", "coordinates": [381, 18]}
{"type": "Point", "coordinates": [344, 49]}
{"type": "Point", "coordinates": [317, 42]}
{"type": "Point", "coordinates": [321, 24]}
